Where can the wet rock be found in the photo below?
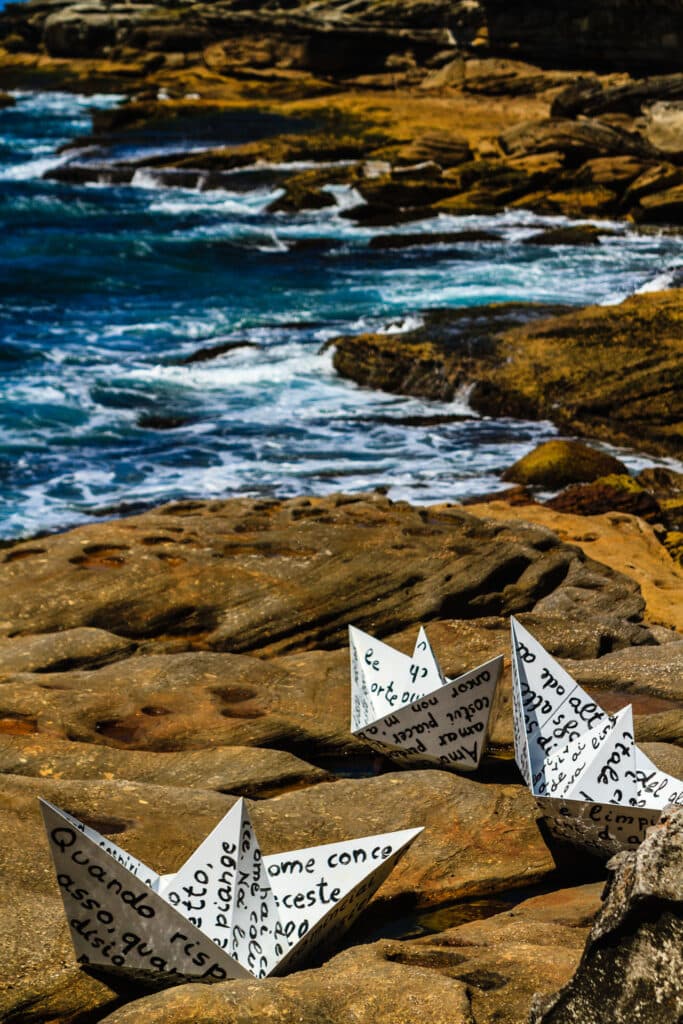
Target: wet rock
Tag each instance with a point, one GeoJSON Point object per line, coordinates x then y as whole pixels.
{"type": "Point", "coordinates": [6, 100]}
{"type": "Point", "coordinates": [403, 192]}
{"type": "Point", "coordinates": [611, 372]}
{"type": "Point", "coordinates": [208, 352]}
{"type": "Point", "coordinates": [380, 215]}
{"type": "Point", "coordinates": [631, 967]}
{"type": "Point", "coordinates": [580, 234]}
{"type": "Point", "coordinates": [484, 185]}
{"type": "Point", "coordinates": [558, 463]}
{"type": "Point", "coordinates": [406, 240]}
{"type": "Point", "coordinates": [616, 492]}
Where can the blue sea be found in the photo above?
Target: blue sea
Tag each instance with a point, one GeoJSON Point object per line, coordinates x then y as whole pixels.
{"type": "Point", "coordinates": [105, 290]}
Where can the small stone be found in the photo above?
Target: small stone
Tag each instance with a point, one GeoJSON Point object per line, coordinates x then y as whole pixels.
{"type": "Point", "coordinates": [558, 463]}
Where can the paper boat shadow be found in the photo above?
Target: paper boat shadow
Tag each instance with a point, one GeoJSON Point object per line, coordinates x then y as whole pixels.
{"type": "Point", "coordinates": [228, 912]}
{"type": "Point", "coordinates": [595, 787]}
{"type": "Point", "coordinates": [406, 709]}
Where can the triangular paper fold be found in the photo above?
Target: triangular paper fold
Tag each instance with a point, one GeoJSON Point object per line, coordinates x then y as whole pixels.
{"type": "Point", "coordinates": [594, 785]}
{"type": "Point", "coordinates": [229, 912]}
{"type": "Point", "coordinates": [408, 710]}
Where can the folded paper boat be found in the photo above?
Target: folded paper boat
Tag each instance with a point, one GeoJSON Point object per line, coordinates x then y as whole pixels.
{"type": "Point", "coordinates": [595, 787]}
{"type": "Point", "coordinates": [227, 913]}
{"type": "Point", "coordinates": [408, 710]}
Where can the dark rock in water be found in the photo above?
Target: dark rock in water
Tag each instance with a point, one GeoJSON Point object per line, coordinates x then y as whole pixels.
{"type": "Point", "coordinates": [580, 234]}
{"type": "Point", "coordinates": [404, 192]}
{"type": "Point", "coordinates": [383, 215]}
{"type": "Point", "coordinates": [612, 493]}
{"type": "Point", "coordinates": [301, 199]}
{"type": "Point", "coordinates": [632, 966]}
{"type": "Point", "coordinates": [312, 245]}
{"type": "Point", "coordinates": [434, 238]}
{"type": "Point", "coordinates": [81, 174]}
{"type": "Point", "coordinates": [157, 421]}
{"type": "Point", "coordinates": [203, 355]}
{"type": "Point", "coordinates": [558, 463]}
{"type": "Point", "coordinates": [6, 100]}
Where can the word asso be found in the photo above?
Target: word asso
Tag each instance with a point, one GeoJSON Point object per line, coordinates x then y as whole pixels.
{"type": "Point", "coordinates": [229, 912]}
{"type": "Point", "coordinates": [407, 709]}
{"type": "Point", "coordinates": [595, 787]}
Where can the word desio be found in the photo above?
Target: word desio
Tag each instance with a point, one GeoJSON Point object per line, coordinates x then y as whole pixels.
{"type": "Point", "coordinates": [228, 912]}
{"type": "Point", "coordinates": [581, 764]}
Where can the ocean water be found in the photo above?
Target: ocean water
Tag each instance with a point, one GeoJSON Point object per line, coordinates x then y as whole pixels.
{"type": "Point", "coordinates": [105, 290]}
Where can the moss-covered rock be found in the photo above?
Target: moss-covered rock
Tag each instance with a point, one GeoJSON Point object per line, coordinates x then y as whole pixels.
{"type": "Point", "coordinates": [558, 463]}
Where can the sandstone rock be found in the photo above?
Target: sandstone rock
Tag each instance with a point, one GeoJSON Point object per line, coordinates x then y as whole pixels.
{"type": "Point", "coordinates": [572, 202]}
{"type": "Point", "coordinates": [657, 178]}
{"type": "Point", "coordinates": [614, 172]}
{"type": "Point", "coordinates": [661, 207]}
{"type": "Point", "coordinates": [485, 185]}
{"type": "Point", "coordinates": [625, 542]}
{"type": "Point", "coordinates": [611, 372]}
{"type": "Point", "coordinates": [461, 856]}
{"type": "Point", "coordinates": [654, 671]}
{"type": "Point", "coordinates": [66, 649]}
{"type": "Point", "coordinates": [616, 492]}
{"type": "Point", "coordinates": [591, 98]}
{"type": "Point", "coordinates": [664, 128]}
{"type": "Point", "coordinates": [276, 576]}
{"type": "Point", "coordinates": [363, 981]}
{"type": "Point", "coordinates": [503, 958]}
{"type": "Point", "coordinates": [558, 463]}
{"type": "Point", "coordinates": [242, 771]}
{"type": "Point", "coordinates": [631, 966]}
{"type": "Point", "coordinates": [578, 140]}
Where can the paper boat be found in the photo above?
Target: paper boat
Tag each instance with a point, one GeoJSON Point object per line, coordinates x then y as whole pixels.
{"type": "Point", "coordinates": [595, 787]}
{"type": "Point", "coordinates": [228, 912]}
{"type": "Point", "coordinates": [408, 710]}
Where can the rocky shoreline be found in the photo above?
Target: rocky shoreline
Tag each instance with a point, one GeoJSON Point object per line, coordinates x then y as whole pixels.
{"type": "Point", "coordinates": [154, 668]}
{"type": "Point", "coordinates": [431, 109]}
{"type": "Point", "coordinates": [157, 667]}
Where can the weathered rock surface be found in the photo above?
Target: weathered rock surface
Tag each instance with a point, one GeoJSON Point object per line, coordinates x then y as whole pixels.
{"type": "Point", "coordinates": [631, 967]}
{"type": "Point", "coordinates": [276, 576]}
{"type": "Point", "coordinates": [243, 771]}
{"type": "Point", "coordinates": [614, 372]}
{"type": "Point", "coordinates": [617, 539]}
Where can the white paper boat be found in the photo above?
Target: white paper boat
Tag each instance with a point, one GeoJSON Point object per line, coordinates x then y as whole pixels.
{"type": "Point", "coordinates": [595, 787]}
{"type": "Point", "coordinates": [227, 913]}
{"type": "Point", "coordinates": [408, 710]}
